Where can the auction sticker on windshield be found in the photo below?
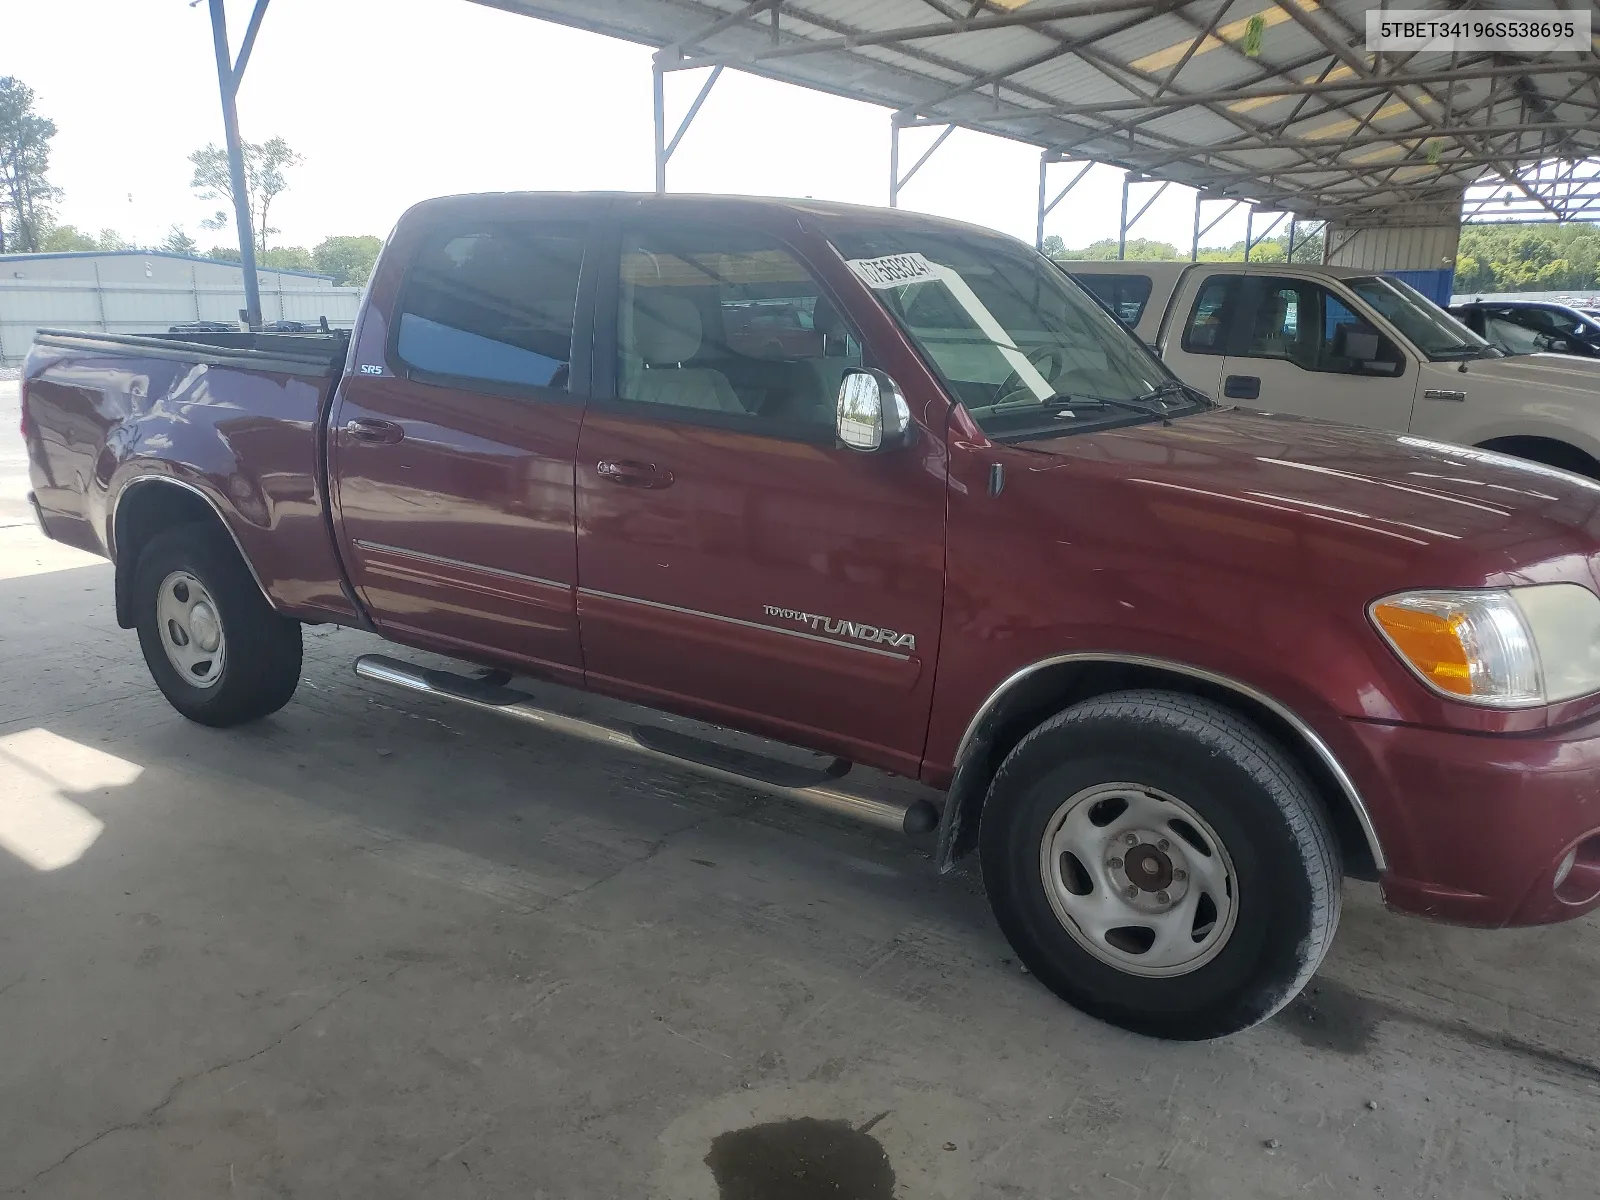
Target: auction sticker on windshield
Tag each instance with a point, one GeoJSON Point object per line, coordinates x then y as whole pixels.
{"type": "Point", "coordinates": [892, 270]}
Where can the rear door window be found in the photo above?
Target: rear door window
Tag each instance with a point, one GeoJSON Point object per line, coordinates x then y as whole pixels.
{"type": "Point", "coordinates": [493, 305]}
{"type": "Point", "coordinates": [1125, 295]}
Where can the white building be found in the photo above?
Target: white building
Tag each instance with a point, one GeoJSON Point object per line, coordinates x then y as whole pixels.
{"type": "Point", "coordinates": [149, 291]}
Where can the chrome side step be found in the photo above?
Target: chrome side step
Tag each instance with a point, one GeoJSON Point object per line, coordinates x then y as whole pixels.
{"type": "Point", "coordinates": [785, 780]}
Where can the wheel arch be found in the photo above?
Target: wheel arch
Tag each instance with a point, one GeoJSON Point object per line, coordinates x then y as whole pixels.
{"type": "Point", "coordinates": [1039, 690]}
{"type": "Point", "coordinates": [144, 506]}
{"type": "Point", "coordinates": [1561, 452]}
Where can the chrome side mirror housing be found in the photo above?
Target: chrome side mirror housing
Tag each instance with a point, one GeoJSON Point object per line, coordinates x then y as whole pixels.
{"type": "Point", "coordinates": [872, 413]}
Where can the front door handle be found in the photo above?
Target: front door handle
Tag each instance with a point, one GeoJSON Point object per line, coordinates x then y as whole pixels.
{"type": "Point", "coordinates": [370, 429]}
{"type": "Point", "coordinates": [1242, 387]}
{"type": "Point", "coordinates": [633, 474]}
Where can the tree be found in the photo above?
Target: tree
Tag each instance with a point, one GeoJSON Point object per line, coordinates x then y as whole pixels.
{"type": "Point", "coordinates": [178, 242]}
{"type": "Point", "coordinates": [264, 167]}
{"type": "Point", "coordinates": [348, 259]}
{"type": "Point", "coordinates": [224, 253]}
{"type": "Point", "coordinates": [27, 201]}
{"type": "Point", "coordinates": [110, 239]}
{"type": "Point", "coordinates": [287, 258]}
{"type": "Point", "coordinates": [66, 239]}
{"type": "Point", "coordinates": [1054, 246]}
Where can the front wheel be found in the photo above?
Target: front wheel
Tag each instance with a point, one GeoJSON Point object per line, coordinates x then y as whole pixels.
{"type": "Point", "coordinates": [215, 647]}
{"type": "Point", "coordinates": [1160, 863]}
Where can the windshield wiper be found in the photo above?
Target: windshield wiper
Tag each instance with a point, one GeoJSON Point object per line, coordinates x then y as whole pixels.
{"type": "Point", "coordinates": [1063, 405]}
{"type": "Point", "coordinates": [1169, 389]}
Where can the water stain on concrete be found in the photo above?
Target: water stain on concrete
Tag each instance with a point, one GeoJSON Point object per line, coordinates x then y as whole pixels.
{"type": "Point", "coordinates": [1330, 1016]}
{"type": "Point", "coordinates": [800, 1159]}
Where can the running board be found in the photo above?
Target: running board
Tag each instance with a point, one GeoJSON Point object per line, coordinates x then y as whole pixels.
{"type": "Point", "coordinates": [806, 785]}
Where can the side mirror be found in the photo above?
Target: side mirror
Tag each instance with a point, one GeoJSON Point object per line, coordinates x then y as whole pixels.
{"type": "Point", "coordinates": [872, 414]}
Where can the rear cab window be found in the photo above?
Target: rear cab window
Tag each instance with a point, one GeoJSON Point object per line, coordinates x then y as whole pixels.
{"type": "Point", "coordinates": [1125, 295]}
{"type": "Point", "coordinates": [1206, 331]}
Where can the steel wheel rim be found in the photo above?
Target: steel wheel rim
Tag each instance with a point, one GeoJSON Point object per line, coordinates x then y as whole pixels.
{"type": "Point", "coordinates": [190, 628]}
{"type": "Point", "coordinates": [1139, 879]}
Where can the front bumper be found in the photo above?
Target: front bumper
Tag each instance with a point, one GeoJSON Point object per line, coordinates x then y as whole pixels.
{"type": "Point", "coordinates": [1477, 828]}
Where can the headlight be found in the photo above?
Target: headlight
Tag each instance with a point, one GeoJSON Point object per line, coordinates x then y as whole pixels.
{"type": "Point", "coordinates": [1506, 648]}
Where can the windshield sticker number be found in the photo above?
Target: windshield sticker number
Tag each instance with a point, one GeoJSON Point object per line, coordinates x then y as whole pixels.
{"type": "Point", "coordinates": [893, 270]}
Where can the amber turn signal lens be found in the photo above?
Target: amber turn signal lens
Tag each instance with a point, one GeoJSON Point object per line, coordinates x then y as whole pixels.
{"type": "Point", "coordinates": [1431, 643]}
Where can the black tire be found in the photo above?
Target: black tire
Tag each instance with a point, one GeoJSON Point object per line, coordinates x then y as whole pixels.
{"type": "Point", "coordinates": [1257, 802]}
{"type": "Point", "coordinates": [261, 666]}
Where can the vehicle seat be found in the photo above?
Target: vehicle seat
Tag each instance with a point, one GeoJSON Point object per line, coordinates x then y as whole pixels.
{"type": "Point", "coordinates": [1271, 339]}
{"type": "Point", "coordinates": [667, 334]}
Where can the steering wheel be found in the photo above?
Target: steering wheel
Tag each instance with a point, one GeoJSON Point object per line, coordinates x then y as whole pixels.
{"type": "Point", "coordinates": [1055, 356]}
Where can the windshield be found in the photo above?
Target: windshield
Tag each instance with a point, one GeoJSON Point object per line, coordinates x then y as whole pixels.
{"type": "Point", "coordinates": [1427, 326]}
{"type": "Point", "coordinates": [1025, 349]}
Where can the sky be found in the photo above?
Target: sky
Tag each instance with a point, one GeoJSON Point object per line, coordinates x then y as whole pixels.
{"type": "Point", "coordinates": [393, 101]}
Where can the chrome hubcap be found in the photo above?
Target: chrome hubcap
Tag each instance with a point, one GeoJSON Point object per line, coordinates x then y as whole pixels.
{"type": "Point", "coordinates": [191, 630]}
{"type": "Point", "coordinates": [1139, 879]}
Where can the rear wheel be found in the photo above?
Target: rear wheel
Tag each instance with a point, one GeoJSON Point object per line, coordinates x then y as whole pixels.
{"type": "Point", "coordinates": [215, 647]}
{"type": "Point", "coordinates": [1160, 863]}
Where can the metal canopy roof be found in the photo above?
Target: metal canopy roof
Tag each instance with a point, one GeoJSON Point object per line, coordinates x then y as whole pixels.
{"type": "Point", "coordinates": [1288, 110]}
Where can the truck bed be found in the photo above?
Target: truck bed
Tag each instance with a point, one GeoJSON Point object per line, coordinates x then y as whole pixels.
{"type": "Point", "coordinates": [290, 353]}
{"type": "Point", "coordinates": [235, 420]}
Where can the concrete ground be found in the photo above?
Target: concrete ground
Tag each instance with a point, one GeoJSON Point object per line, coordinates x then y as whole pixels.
{"type": "Point", "coordinates": [378, 947]}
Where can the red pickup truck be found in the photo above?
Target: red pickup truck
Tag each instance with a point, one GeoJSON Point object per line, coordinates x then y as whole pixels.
{"type": "Point", "coordinates": [896, 491]}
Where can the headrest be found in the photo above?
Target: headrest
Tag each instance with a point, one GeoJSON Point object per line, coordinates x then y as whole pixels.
{"type": "Point", "coordinates": [666, 328]}
{"type": "Point", "coordinates": [826, 320]}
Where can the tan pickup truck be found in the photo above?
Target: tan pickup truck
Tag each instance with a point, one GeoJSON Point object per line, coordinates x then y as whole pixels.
{"type": "Point", "coordinates": [1350, 345]}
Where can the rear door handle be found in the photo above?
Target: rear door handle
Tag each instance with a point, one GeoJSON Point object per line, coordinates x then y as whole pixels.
{"type": "Point", "coordinates": [633, 474]}
{"type": "Point", "coordinates": [1242, 387]}
{"type": "Point", "coordinates": [370, 429]}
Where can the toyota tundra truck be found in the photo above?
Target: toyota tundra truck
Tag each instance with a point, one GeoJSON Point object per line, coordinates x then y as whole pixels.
{"type": "Point", "coordinates": [896, 492]}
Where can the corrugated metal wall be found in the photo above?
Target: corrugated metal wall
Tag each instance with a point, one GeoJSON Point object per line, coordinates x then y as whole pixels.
{"type": "Point", "coordinates": [30, 304]}
{"type": "Point", "coordinates": [151, 267]}
{"type": "Point", "coordinates": [1401, 248]}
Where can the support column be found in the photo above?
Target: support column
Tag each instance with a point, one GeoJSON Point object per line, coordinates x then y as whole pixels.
{"type": "Point", "coordinates": [1046, 157]}
{"type": "Point", "coordinates": [1122, 221]}
{"type": "Point", "coordinates": [658, 92]}
{"type": "Point", "coordinates": [894, 163]}
{"type": "Point", "coordinates": [897, 180]}
{"type": "Point", "coordinates": [1249, 230]}
{"type": "Point", "coordinates": [1194, 244]}
{"type": "Point", "coordinates": [228, 76]}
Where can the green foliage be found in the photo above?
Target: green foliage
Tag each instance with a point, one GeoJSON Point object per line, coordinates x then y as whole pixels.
{"type": "Point", "coordinates": [264, 167]}
{"type": "Point", "coordinates": [1307, 249]}
{"type": "Point", "coordinates": [110, 239]}
{"type": "Point", "coordinates": [288, 258]}
{"type": "Point", "coordinates": [1528, 257]}
{"type": "Point", "coordinates": [1055, 247]}
{"type": "Point", "coordinates": [1139, 250]}
{"type": "Point", "coordinates": [350, 259]}
{"type": "Point", "coordinates": [27, 201]}
{"type": "Point", "coordinates": [178, 242]}
{"type": "Point", "coordinates": [224, 253]}
{"type": "Point", "coordinates": [67, 238]}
